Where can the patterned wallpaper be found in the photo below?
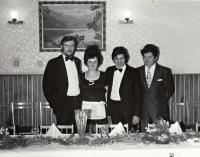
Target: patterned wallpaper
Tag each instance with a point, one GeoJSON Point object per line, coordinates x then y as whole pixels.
{"type": "Point", "coordinates": [174, 26]}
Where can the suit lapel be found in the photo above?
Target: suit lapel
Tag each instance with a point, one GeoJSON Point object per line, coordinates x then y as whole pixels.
{"type": "Point", "coordinates": [61, 66]}
{"type": "Point", "coordinates": [143, 77]}
{"type": "Point", "coordinates": [156, 76]}
{"type": "Point", "coordinates": [126, 74]}
{"type": "Point", "coordinates": [78, 68]}
{"type": "Point", "coordinates": [113, 72]}
{"type": "Point", "coordinates": [111, 76]}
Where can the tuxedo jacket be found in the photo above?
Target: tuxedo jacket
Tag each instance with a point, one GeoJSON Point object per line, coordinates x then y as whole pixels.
{"type": "Point", "coordinates": [155, 99]}
{"type": "Point", "coordinates": [129, 91]}
{"type": "Point", "coordinates": [55, 82]}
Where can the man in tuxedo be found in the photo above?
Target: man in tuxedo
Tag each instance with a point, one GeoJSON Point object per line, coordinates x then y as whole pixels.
{"type": "Point", "coordinates": [157, 87]}
{"type": "Point", "coordinates": [124, 91]}
{"type": "Point", "coordinates": [61, 83]}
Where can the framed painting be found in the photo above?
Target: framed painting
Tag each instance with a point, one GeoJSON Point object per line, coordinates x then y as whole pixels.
{"type": "Point", "coordinates": [85, 20]}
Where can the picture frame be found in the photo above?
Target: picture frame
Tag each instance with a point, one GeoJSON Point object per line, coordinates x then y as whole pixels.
{"type": "Point", "coordinates": [85, 20]}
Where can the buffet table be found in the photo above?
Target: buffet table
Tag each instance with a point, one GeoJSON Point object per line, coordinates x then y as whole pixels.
{"type": "Point", "coordinates": [184, 149]}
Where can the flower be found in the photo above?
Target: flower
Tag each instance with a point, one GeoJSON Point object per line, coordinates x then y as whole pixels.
{"type": "Point", "coordinates": [151, 129]}
{"type": "Point", "coordinates": [164, 136]}
{"type": "Point", "coordinates": [3, 132]}
{"type": "Point", "coordinates": [6, 132]}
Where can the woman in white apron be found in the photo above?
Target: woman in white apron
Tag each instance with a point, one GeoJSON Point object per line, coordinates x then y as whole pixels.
{"type": "Point", "coordinates": [93, 86]}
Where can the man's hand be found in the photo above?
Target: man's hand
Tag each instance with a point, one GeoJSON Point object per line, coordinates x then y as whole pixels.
{"type": "Point", "coordinates": [135, 120]}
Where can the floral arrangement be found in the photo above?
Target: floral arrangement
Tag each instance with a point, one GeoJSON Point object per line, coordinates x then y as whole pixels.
{"type": "Point", "coordinates": [159, 126]}
{"type": "Point", "coordinates": [90, 140]}
{"type": "Point", "coordinates": [191, 135]}
{"type": "Point", "coordinates": [11, 143]}
{"type": "Point", "coordinates": [37, 141]}
{"type": "Point", "coordinates": [158, 133]}
{"type": "Point", "coordinates": [3, 133]}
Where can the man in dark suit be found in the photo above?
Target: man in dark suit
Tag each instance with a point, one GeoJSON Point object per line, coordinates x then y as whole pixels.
{"type": "Point", "coordinates": [124, 91]}
{"type": "Point", "coordinates": [61, 83]}
{"type": "Point", "coordinates": [157, 87]}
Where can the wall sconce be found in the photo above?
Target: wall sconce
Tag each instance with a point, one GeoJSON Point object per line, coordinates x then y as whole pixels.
{"type": "Point", "coordinates": [14, 17]}
{"type": "Point", "coordinates": [127, 15]}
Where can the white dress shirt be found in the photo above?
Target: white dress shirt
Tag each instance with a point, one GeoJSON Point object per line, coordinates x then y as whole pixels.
{"type": "Point", "coordinates": [73, 83]}
{"type": "Point", "coordinates": [152, 70]}
{"type": "Point", "coordinates": [117, 78]}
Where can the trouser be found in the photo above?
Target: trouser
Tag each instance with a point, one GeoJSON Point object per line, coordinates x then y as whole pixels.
{"type": "Point", "coordinates": [119, 114]}
{"type": "Point", "coordinates": [67, 116]}
{"type": "Point", "coordinates": [144, 123]}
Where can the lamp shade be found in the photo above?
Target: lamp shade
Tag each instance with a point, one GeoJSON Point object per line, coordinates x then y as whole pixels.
{"type": "Point", "coordinates": [127, 20]}
{"type": "Point", "coordinates": [14, 15]}
{"type": "Point", "coordinates": [127, 14]}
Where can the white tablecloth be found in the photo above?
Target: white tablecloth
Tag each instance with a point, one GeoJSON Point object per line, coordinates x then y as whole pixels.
{"type": "Point", "coordinates": [185, 149]}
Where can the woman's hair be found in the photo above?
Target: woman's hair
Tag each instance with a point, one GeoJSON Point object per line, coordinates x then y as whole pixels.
{"type": "Point", "coordinates": [120, 50]}
{"type": "Point", "coordinates": [91, 52]}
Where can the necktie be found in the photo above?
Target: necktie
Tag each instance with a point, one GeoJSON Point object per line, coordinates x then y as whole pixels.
{"type": "Point", "coordinates": [120, 70]}
{"type": "Point", "coordinates": [67, 58]}
{"type": "Point", "coordinates": [148, 78]}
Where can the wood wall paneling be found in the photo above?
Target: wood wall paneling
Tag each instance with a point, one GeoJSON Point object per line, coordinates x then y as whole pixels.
{"type": "Point", "coordinates": [28, 88]}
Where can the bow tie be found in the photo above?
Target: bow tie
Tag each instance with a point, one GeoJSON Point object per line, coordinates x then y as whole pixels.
{"type": "Point", "coordinates": [120, 70]}
{"type": "Point", "coordinates": [67, 58]}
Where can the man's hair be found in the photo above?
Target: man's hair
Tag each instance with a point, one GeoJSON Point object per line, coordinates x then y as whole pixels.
{"type": "Point", "coordinates": [150, 48]}
{"type": "Point", "coordinates": [69, 38]}
{"type": "Point", "coordinates": [120, 50]}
